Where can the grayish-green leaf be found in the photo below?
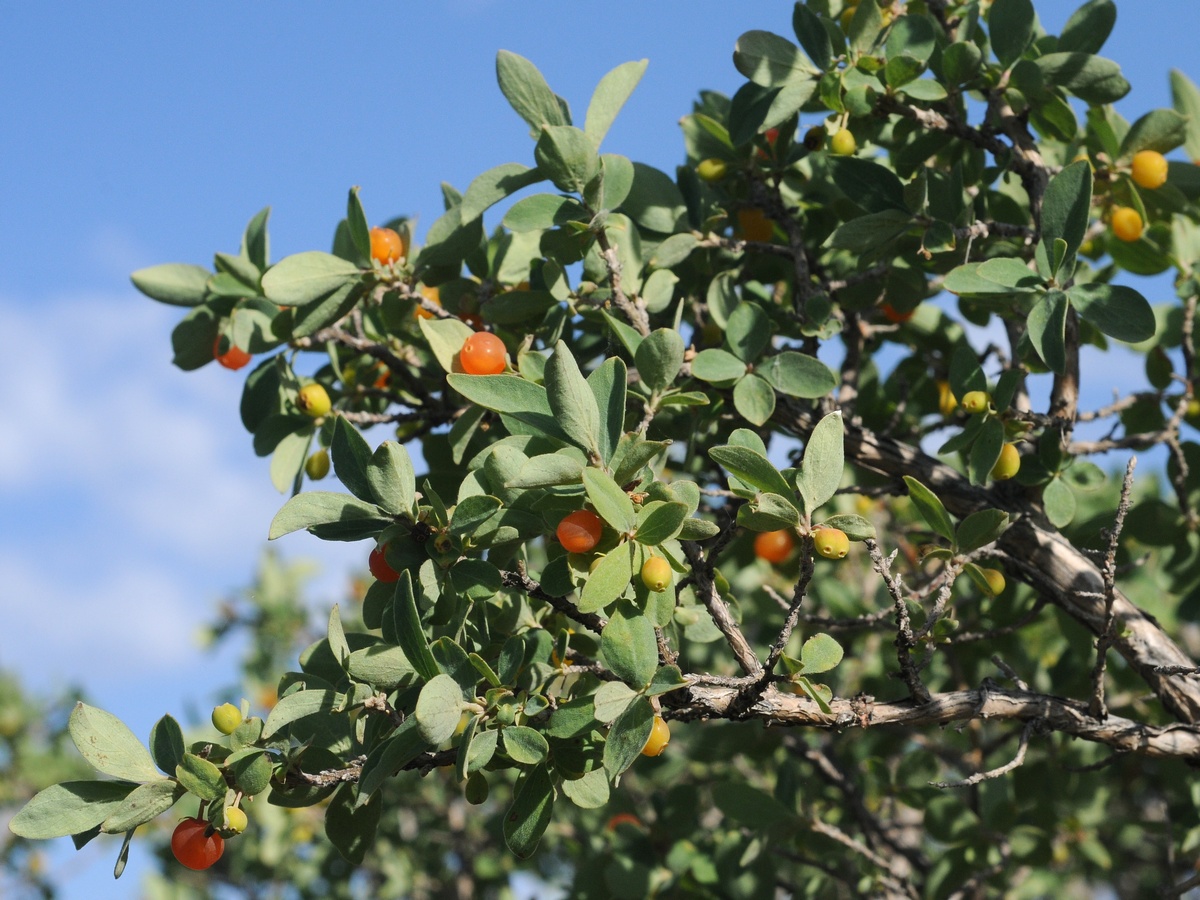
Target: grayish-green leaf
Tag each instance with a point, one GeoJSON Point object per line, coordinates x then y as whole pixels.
{"type": "Point", "coordinates": [820, 653]}
{"type": "Point", "coordinates": [304, 277]}
{"type": "Point", "coordinates": [316, 508]}
{"type": "Point", "coordinates": [930, 508]}
{"type": "Point", "coordinates": [1047, 329]}
{"type": "Point", "coordinates": [1059, 502]}
{"type": "Point", "coordinates": [612, 504]}
{"type": "Point", "coordinates": [493, 186]}
{"type": "Point", "coordinates": [527, 92]}
{"type": "Point", "coordinates": [824, 463]}
{"type": "Point", "coordinates": [754, 398]}
{"type": "Point", "coordinates": [145, 803]}
{"type": "Point", "coordinates": [770, 60]}
{"type": "Point", "coordinates": [109, 746]}
{"type": "Point", "coordinates": [177, 284]}
{"type": "Point", "coordinates": [438, 709]}
{"type": "Point", "coordinates": [1116, 310]}
{"type": "Point", "coordinates": [608, 98]}
{"type": "Point", "coordinates": [71, 807]}
{"type": "Point", "coordinates": [797, 375]}
{"type": "Point", "coordinates": [530, 813]}
{"type": "Point", "coordinates": [980, 528]}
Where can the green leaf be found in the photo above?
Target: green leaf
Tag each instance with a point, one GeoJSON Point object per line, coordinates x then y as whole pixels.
{"type": "Point", "coordinates": [1047, 329]}
{"type": "Point", "coordinates": [530, 813]}
{"type": "Point", "coordinates": [872, 232]}
{"type": "Point", "coordinates": [659, 521]}
{"type": "Point", "coordinates": [1059, 502]}
{"type": "Point", "coordinates": [145, 803]}
{"type": "Point", "coordinates": [308, 320]}
{"type": "Point", "coordinates": [351, 827]}
{"type": "Point", "coordinates": [251, 769]}
{"type": "Point", "coordinates": [716, 366]}
{"type": "Point", "coordinates": [824, 463]}
{"type": "Point", "coordinates": [391, 478]}
{"type": "Point", "coordinates": [925, 89]}
{"type": "Point", "coordinates": [614, 182]}
{"type": "Point", "coordinates": [192, 339]}
{"type": "Point", "coordinates": [611, 699]}
{"type": "Point", "coordinates": [1011, 274]}
{"type": "Point", "coordinates": [177, 284]}
{"type": "Point", "coordinates": [1185, 97]}
{"type": "Point", "coordinates": [609, 581]}
{"type": "Point", "coordinates": [304, 277]}
{"type": "Point", "coordinates": [612, 504]}
{"type": "Point", "coordinates": [981, 528]}
{"type": "Point", "coordinates": [986, 450]}
{"type": "Point", "coordinates": [1089, 27]}
{"type": "Point", "coordinates": [571, 400]}
{"type": "Point", "coordinates": [659, 358]}
{"type": "Point", "coordinates": [1118, 311]}
{"type": "Point", "coordinates": [409, 630]}
{"type": "Point", "coordinates": [856, 527]}
{"type": "Point", "coordinates": [770, 60]}
{"type": "Point", "coordinates": [524, 745]}
{"type": "Point", "coordinates": [166, 744]}
{"type": "Point", "coordinates": [336, 635]}
{"type": "Point", "coordinates": [768, 512]}
{"type": "Point", "coordinates": [747, 332]}
{"type": "Point", "coordinates": [628, 646]}
{"type": "Point", "coordinates": [543, 211]}
{"type": "Point", "coordinates": [1092, 79]}
{"type": "Point", "coordinates": [654, 200]}
{"type": "Point", "coordinates": [754, 398]}
{"type": "Point", "coordinates": [351, 456]}
{"type": "Point", "coordinates": [797, 375]}
{"type": "Point", "coordinates": [1010, 27]}
{"type": "Point", "coordinates": [360, 231]}
{"type": "Point", "coordinates": [673, 251]}
{"type": "Point", "coordinates": [1160, 129]}
{"type": "Point", "coordinates": [298, 706]}
{"type": "Point", "coordinates": [471, 513]}
{"type": "Point", "coordinates": [450, 240]}
{"type": "Point", "coordinates": [749, 806]}
{"type": "Point", "coordinates": [288, 459]}
{"type": "Point", "coordinates": [820, 653]}
{"type": "Point", "coordinates": [510, 394]}
{"type": "Point", "coordinates": [397, 750]}
{"type": "Point", "coordinates": [527, 92]}
{"type": "Point", "coordinates": [314, 509]}
{"type": "Point", "coordinates": [201, 777]}
{"type": "Point", "coordinates": [438, 709]}
{"type": "Point", "coordinates": [753, 468]}
{"type": "Point", "coordinates": [930, 508]}
{"type": "Point", "coordinates": [608, 98]}
{"type": "Point", "coordinates": [814, 38]}
{"type": "Point", "coordinates": [109, 746]}
{"type": "Point", "coordinates": [445, 338]}
{"type": "Point", "coordinates": [72, 807]}
{"type": "Point", "coordinates": [868, 184]}
{"type": "Point", "coordinates": [628, 736]}
{"type": "Point", "coordinates": [567, 156]}
{"type": "Point", "coordinates": [1066, 207]}
{"type": "Point", "coordinates": [589, 791]}
{"type": "Point", "coordinates": [960, 62]}
{"type": "Point", "coordinates": [493, 186]}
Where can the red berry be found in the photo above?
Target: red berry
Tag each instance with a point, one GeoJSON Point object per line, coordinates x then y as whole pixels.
{"type": "Point", "coordinates": [774, 546]}
{"type": "Point", "coordinates": [378, 564]}
{"type": "Point", "coordinates": [195, 845]}
{"type": "Point", "coordinates": [579, 532]}
{"type": "Point", "coordinates": [233, 358]}
{"type": "Point", "coordinates": [483, 354]}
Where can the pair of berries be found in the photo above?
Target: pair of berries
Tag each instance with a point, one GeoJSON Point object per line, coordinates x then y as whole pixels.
{"type": "Point", "coordinates": [776, 546]}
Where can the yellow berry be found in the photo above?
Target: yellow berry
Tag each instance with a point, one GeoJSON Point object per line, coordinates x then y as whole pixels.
{"type": "Point", "coordinates": [313, 400]}
{"type": "Point", "coordinates": [1149, 169]}
{"type": "Point", "coordinates": [976, 402]}
{"type": "Point", "coordinates": [656, 574]}
{"type": "Point", "coordinates": [994, 579]}
{"type": "Point", "coordinates": [1008, 464]}
{"type": "Point", "coordinates": [317, 465]}
{"type": "Point", "coordinates": [843, 143]}
{"type": "Point", "coordinates": [226, 718]}
{"type": "Point", "coordinates": [235, 819]}
{"type": "Point", "coordinates": [711, 170]}
{"type": "Point", "coordinates": [1126, 223]}
{"type": "Point", "coordinates": [660, 736]}
{"type": "Point", "coordinates": [831, 543]}
{"type": "Point", "coordinates": [947, 402]}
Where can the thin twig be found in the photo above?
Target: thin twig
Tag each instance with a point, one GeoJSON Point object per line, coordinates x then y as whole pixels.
{"type": "Point", "coordinates": [997, 772]}
{"type": "Point", "coordinates": [905, 640]}
{"type": "Point", "coordinates": [1108, 572]}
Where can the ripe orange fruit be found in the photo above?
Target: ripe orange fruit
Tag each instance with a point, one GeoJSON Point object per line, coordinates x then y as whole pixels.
{"type": "Point", "coordinates": [387, 246]}
{"type": "Point", "coordinates": [434, 296]}
{"type": "Point", "coordinates": [1149, 169]}
{"type": "Point", "coordinates": [656, 574]}
{"type": "Point", "coordinates": [774, 546]}
{"type": "Point", "coordinates": [623, 818]}
{"type": "Point", "coordinates": [1008, 464]}
{"type": "Point", "coordinates": [579, 532]}
{"type": "Point", "coordinates": [314, 401]}
{"type": "Point", "coordinates": [378, 564]}
{"type": "Point", "coordinates": [196, 845]}
{"type": "Point", "coordinates": [233, 358]}
{"type": "Point", "coordinates": [843, 143]}
{"type": "Point", "coordinates": [660, 736]}
{"type": "Point", "coordinates": [483, 354]}
{"type": "Point", "coordinates": [753, 225]}
{"type": "Point", "coordinates": [1126, 223]}
{"type": "Point", "coordinates": [831, 543]}
{"type": "Point", "coordinates": [894, 315]}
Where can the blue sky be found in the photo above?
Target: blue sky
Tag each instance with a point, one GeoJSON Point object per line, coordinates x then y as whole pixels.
{"type": "Point", "coordinates": [139, 133]}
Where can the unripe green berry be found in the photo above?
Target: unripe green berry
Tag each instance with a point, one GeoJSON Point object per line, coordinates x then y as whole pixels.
{"type": "Point", "coordinates": [314, 401]}
{"type": "Point", "coordinates": [995, 581]}
{"type": "Point", "coordinates": [976, 402]}
{"type": "Point", "coordinates": [477, 789]}
{"type": "Point", "coordinates": [226, 718]}
{"type": "Point", "coordinates": [832, 543]}
{"type": "Point", "coordinates": [317, 465]}
{"type": "Point", "coordinates": [1008, 464]}
{"type": "Point", "coordinates": [843, 143]}
{"type": "Point", "coordinates": [656, 574]}
{"type": "Point", "coordinates": [235, 819]}
{"type": "Point", "coordinates": [712, 170]}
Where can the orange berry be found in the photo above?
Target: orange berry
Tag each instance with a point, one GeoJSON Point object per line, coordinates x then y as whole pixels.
{"type": "Point", "coordinates": [623, 818]}
{"type": "Point", "coordinates": [753, 225]}
{"type": "Point", "coordinates": [434, 296]}
{"type": "Point", "coordinates": [313, 400]}
{"type": "Point", "coordinates": [387, 246]}
{"type": "Point", "coordinates": [894, 315]}
{"type": "Point", "coordinates": [831, 543]}
{"type": "Point", "coordinates": [1149, 169]}
{"type": "Point", "coordinates": [1126, 224]}
{"type": "Point", "coordinates": [774, 546]}
{"type": "Point", "coordinates": [579, 532]}
{"type": "Point", "coordinates": [483, 354]}
{"type": "Point", "coordinates": [233, 358]}
{"type": "Point", "coordinates": [660, 736]}
{"type": "Point", "coordinates": [378, 564]}
{"type": "Point", "coordinates": [1008, 464]}
{"type": "Point", "coordinates": [195, 844]}
{"type": "Point", "coordinates": [656, 574]}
